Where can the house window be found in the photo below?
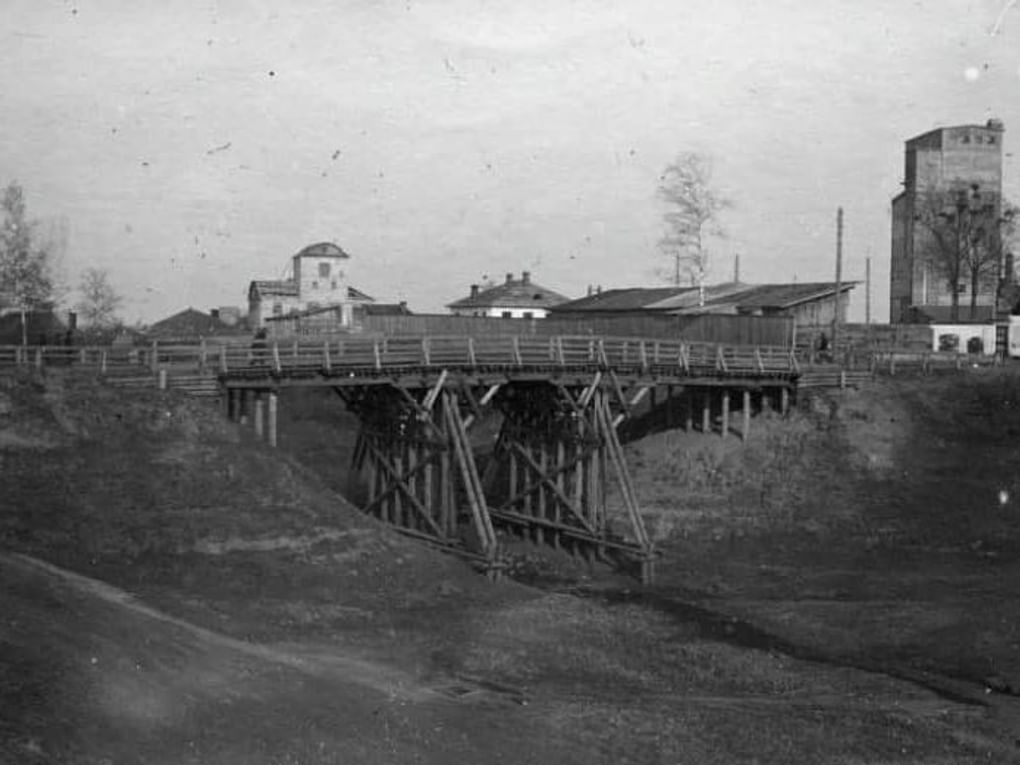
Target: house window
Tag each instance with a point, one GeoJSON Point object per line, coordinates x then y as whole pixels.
{"type": "Point", "coordinates": [277, 309]}
{"type": "Point", "coordinates": [529, 315]}
{"type": "Point", "coordinates": [324, 270]}
{"type": "Point", "coordinates": [506, 314]}
{"type": "Point", "coordinates": [332, 284]}
{"type": "Point", "coordinates": [315, 285]}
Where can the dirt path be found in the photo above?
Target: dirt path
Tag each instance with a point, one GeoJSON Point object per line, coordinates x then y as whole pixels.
{"type": "Point", "coordinates": [319, 661]}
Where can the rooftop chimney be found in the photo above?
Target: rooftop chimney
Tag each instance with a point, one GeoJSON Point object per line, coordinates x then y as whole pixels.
{"type": "Point", "coordinates": [591, 290]}
{"type": "Point", "coordinates": [525, 277]}
{"type": "Point", "coordinates": [995, 124]}
{"type": "Point", "coordinates": [509, 278]}
{"type": "Point", "coordinates": [474, 290]}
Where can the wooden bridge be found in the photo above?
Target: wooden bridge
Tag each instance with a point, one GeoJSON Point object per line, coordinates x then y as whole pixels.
{"type": "Point", "coordinates": [428, 463]}
{"type": "Point", "coordinates": [559, 399]}
{"type": "Point", "coordinates": [427, 456]}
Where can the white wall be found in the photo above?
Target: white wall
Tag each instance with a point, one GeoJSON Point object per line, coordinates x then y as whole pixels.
{"type": "Point", "coordinates": [515, 313]}
{"type": "Point", "coordinates": [315, 288]}
{"type": "Point", "coordinates": [965, 332]}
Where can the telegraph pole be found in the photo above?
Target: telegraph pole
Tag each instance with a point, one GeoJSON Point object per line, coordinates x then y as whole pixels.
{"type": "Point", "coordinates": [839, 277]}
{"type": "Point", "coordinates": [867, 290]}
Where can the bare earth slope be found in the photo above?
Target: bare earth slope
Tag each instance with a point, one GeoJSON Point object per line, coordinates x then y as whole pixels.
{"type": "Point", "coordinates": [836, 590]}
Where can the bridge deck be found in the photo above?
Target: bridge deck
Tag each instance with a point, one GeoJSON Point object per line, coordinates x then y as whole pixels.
{"type": "Point", "coordinates": [357, 361]}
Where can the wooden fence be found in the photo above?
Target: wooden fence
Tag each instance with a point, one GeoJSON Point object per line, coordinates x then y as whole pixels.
{"type": "Point", "coordinates": [729, 330]}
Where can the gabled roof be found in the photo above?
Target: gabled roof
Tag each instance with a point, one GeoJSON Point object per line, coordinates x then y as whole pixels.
{"type": "Point", "coordinates": [625, 299]}
{"type": "Point", "coordinates": [322, 250]}
{"type": "Point", "coordinates": [514, 293]}
{"type": "Point", "coordinates": [191, 323]}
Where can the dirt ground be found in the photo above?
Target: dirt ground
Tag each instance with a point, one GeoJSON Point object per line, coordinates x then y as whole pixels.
{"type": "Point", "coordinates": [838, 589]}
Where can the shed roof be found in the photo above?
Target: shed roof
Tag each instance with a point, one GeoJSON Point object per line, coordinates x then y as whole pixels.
{"type": "Point", "coordinates": [624, 299]}
{"type": "Point", "coordinates": [787, 295]}
{"type": "Point", "coordinates": [729, 296]}
{"type": "Point", "coordinates": [358, 295]}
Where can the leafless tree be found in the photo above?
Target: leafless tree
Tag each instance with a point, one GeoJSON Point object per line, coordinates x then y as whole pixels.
{"type": "Point", "coordinates": [99, 300]}
{"type": "Point", "coordinates": [963, 241]}
{"type": "Point", "coordinates": [693, 208]}
{"type": "Point", "coordinates": [26, 260]}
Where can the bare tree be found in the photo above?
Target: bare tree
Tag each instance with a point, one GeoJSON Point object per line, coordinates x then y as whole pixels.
{"type": "Point", "coordinates": [26, 267]}
{"type": "Point", "coordinates": [692, 214]}
{"type": "Point", "coordinates": [99, 300]}
{"type": "Point", "coordinates": [1006, 241]}
{"type": "Point", "coordinates": [963, 242]}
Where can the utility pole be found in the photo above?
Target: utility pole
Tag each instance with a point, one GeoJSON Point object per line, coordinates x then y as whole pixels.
{"type": "Point", "coordinates": [839, 278]}
{"type": "Point", "coordinates": [867, 290]}
{"type": "Point", "coordinates": [736, 268]}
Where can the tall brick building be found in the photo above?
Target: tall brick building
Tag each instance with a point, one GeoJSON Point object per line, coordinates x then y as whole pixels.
{"type": "Point", "coordinates": [967, 159]}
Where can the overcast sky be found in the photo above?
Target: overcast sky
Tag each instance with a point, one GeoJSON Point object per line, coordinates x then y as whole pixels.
{"type": "Point", "coordinates": [191, 146]}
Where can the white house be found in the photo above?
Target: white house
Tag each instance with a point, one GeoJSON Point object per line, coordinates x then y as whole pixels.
{"type": "Point", "coordinates": [514, 299]}
{"type": "Point", "coordinates": [318, 280]}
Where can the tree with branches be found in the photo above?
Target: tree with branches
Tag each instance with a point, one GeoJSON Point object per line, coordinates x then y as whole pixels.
{"type": "Point", "coordinates": [26, 260]}
{"type": "Point", "coordinates": [963, 241]}
{"type": "Point", "coordinates": [99, 302]}
{"type": "Point", "coordinates": [693, 208]}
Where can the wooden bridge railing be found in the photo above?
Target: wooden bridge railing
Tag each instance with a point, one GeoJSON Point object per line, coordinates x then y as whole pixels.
{"type": "Point", "coordinates": [422, 351]}
{"type": "Point", "coordinates": [512, 351]}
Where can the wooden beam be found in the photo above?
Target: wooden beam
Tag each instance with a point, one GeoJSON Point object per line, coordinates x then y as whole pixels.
{"type": "Point", "coordinates": [641, 393]}
{"type": "Point", "coordinates": [271, 419]}
{"type": "Point", "coordinates": [623, 476]}
{"type": "Point", "coordinates": [434, 391]}
{"type": "Point", "coordinates": [589, 391]}
{"type": "Point", "coordinates": [259, 409]}
{"type": "Point", "coordinates": [725, 413]}
{"type": "Point", "coordinates": [746, 428]}
{"type": "Point", "coordinates": [545, 479]}
{"type": "Point", "coordinates": [469, 474]}
{"type": "Point", "coordinates": [392, 466]}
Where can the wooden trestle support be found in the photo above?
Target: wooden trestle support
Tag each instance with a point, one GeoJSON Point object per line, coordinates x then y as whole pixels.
{"type": "Point", "coordinates": [546, 478]}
